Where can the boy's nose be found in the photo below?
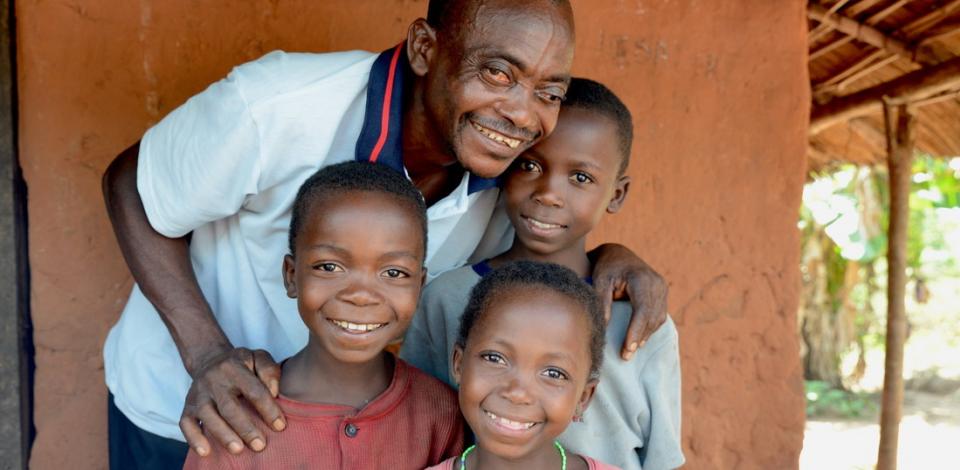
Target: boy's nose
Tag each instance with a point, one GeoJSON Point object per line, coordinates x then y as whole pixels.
{"type": "Point", "coordinates": [546, 194]}
{"type": "Point", "coordinates": [359, 293]}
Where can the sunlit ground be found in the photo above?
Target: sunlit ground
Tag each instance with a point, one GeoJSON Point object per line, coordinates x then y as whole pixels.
{"type": "Point", "coordinates": [930, 429]}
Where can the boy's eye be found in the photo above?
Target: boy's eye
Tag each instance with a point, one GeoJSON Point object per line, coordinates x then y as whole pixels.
{"type": "Point", "coordinates": [529, 166]}
{"type": "Point", "coordinates": [394, 273]}
{"type": "Point", "coordinates": [556, 374]}
{"type": "Point", "coordinates": [493, 357]}
{"type": "Point", "coordinates": [327, 267]}
{"type": "Point", "coordinates": [582, 178]}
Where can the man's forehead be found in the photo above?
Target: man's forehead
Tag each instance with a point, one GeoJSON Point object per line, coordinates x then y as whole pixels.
{"type": "Point", "coordinates": [466, 14]}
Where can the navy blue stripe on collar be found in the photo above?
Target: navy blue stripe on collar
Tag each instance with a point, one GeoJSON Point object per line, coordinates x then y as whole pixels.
{"type": "Point", "coordinates": [380, 138]}
{"type": "Point", "coordinates": [483, 268]}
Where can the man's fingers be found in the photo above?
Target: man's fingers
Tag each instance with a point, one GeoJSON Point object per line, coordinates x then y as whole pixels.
{"type": "Point", "coordinates": [263, 401]}
{"type": "Point", "coordinates": [268, 371]}
{"type": "Point", "coordinates": [193, 433]}
{"type": "Point", "coordinates": [240, 424]}
{"type": "Point", "coordinates": [219, 430]}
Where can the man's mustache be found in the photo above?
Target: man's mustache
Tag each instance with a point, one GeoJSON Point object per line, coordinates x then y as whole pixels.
{"type": "Point", "coordinates": [505, 127]}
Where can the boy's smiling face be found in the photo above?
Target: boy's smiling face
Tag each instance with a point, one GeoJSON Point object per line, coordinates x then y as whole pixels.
{"type": "Point", "coordinates": [557, 191]}
{"type": "Point", "coordinates": [525, 371]}
{"type": "Point", "coordinates": [356, 273]}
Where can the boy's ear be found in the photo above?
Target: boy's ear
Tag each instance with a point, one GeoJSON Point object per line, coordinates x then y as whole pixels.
{"type": "Point", "coordinates": [587, 396]}
{"type": "Point", "coordinates": [423, 277]}
{"type": "Point", "coordinates": [619, 194]}
{"type": "Point", "coordinates": [289, 278]}
{"type": "Point", "coordinates": [421, 46]}
{"type": "Point", "coordinates": [457, 364]}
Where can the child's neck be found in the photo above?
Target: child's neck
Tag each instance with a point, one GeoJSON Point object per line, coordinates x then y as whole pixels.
{"type": "Point", "coordinates": [314, 376]}
{"type": "Point", "coordinates": [574, 256]}
{"type": "Point", "coordinates": [546, 458]}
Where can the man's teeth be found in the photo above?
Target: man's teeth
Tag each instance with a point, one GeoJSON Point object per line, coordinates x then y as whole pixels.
{"type": "Point", "coordinates": [516, 425]}
{"type": "Point", "coordinates": [357, 327]}
{"type": "Point", "coordinates": [543, 225]}
{"type": "Point", "coordinates": [512, 143]}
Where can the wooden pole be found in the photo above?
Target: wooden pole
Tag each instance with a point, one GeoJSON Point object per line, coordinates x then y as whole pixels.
{"type": "Point", "coordinates": [900, 124]}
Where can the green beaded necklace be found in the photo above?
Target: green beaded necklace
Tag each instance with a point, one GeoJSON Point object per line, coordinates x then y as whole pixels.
{"type": "Point", "coordinates": [563, 456]}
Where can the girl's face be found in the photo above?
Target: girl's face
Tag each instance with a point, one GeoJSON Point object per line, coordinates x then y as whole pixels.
{"type": "Point", "coordinates": [525, 371]}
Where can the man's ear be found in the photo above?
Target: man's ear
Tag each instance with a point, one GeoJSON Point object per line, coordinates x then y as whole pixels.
{"type": "Point", "coordinates": [421, 46]}
{"type": "Point", "coordinates": [619, 194]}
{"type": "Point", "coordinates": [289, 278]}
{"type": "Point", "coordinates": [457, 364]}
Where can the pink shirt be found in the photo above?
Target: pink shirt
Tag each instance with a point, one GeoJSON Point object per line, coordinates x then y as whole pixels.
{"type": "Point", "coordinates": [592, 464]}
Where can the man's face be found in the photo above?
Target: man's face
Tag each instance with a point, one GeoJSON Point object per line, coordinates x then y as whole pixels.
{"type": "Point", "coordinates": [496, 84]}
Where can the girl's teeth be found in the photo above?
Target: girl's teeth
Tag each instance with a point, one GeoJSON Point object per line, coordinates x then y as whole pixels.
{"type": "Point", "coordinates": [509, 423]}
{"type": "Point", "coordinates": [357, 327]}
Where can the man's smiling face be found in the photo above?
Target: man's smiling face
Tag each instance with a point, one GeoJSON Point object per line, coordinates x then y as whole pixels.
{"type": "Point", "coordinates": [498, 76]}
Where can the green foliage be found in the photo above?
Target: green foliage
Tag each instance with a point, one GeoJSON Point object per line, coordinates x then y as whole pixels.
{"type": "Point", "coordinates": [824, 401]}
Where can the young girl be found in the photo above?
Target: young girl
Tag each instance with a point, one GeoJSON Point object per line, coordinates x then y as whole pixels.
{"type": "Point", "coordinates": [526, 359]}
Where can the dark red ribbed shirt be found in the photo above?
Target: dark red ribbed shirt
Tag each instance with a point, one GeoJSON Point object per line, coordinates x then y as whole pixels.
{"type": "Point", "coordinates": [413, 424]}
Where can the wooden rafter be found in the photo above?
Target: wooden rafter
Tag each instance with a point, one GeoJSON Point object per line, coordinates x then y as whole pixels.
{"type": "Point", "coordinates": [929, 20]}
{"type": "Point", "coordinates": [872, 20]}
{"type": "Point", "coordinates": [825, 28]}
{"type": "Point", "coordinates": [910, 87]}
{"type": "Point", "coordinates": [861, 31]}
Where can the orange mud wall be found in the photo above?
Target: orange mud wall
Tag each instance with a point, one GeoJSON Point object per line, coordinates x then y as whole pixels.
{"type": "Point", "coordinates": [719, 95]}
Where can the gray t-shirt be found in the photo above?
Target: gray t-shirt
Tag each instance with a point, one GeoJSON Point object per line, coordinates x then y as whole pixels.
{"type": "Point", "coordinates": [633, 421]}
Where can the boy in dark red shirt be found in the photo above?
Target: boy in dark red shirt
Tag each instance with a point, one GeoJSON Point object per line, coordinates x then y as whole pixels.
{"type": "Point", "coordinates": [357, 245]}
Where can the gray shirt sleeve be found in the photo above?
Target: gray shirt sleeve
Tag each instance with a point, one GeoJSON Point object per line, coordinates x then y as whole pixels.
{"type": "Point", "coordinates": [429, 341]}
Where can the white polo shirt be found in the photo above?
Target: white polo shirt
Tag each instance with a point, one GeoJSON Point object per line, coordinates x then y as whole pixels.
{"type": "Point", "coordinates": [226, 166]}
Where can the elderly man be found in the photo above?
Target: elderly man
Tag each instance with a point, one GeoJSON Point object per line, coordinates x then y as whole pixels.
{"type": "Point", "coordinates": [200, 206]}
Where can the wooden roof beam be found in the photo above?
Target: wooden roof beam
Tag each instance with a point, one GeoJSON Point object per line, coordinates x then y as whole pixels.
{"type": "Point", "coordinates": [872, 20]}
{"type": "Point", "coordinates": [861, 32]}
{"type": "Point", "coordinates": [909, 87]}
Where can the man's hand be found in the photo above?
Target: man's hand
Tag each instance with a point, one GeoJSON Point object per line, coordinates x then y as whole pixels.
{"type": "Point", "coordinates": [216, 399]}
{"type": "Point", "coordinates": [619, 273]}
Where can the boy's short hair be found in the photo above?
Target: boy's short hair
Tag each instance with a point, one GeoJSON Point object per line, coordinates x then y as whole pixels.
{"type": "Point", "coordinates": [593, 96]}
{"type": "Point", "coordinates": [535, 274]}
{"type": "Point", "coordinates": [335, 180]}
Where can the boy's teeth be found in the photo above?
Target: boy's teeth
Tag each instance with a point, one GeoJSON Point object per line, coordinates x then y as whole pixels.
{"type": "Point", "coordinates": [357, 327]}
{"type": "Point", "coordinates": [512, 143]}
{"type": "Point", "coordinates": [509, 423]}
{"type": "Point", "coordinates": [543, 225]}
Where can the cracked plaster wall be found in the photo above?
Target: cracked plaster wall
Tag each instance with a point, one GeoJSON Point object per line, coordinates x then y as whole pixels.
{"type": "Point", "coordinates": [719, 96]}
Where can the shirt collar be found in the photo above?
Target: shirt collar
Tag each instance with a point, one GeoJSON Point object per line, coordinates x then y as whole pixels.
{"type": "Point", "coordinates": [380, 138]}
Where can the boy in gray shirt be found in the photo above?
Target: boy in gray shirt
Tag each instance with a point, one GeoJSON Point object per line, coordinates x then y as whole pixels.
{"type": "Point", "coordinates": [554, 195]}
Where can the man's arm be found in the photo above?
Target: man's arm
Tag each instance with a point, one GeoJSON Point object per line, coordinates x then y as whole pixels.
{"type": "Point", "coordinates": [161, 267]}
{"type": "Point", "coordinates": [619, 273]}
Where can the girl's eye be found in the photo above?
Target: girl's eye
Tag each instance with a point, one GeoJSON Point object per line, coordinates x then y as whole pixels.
{"type": "Point", "coordinates": [497, 76]}
{"type": "Point", "coordinates": [582, 178]}
{"type": "Point", "coordinates": [555, 374]}
{"type": "Point", "coordinates": [328, 267]}
{"type": "Point", "coordinates": [493, 357]}
{"type": "Point", "coordinates": [395, 274]}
